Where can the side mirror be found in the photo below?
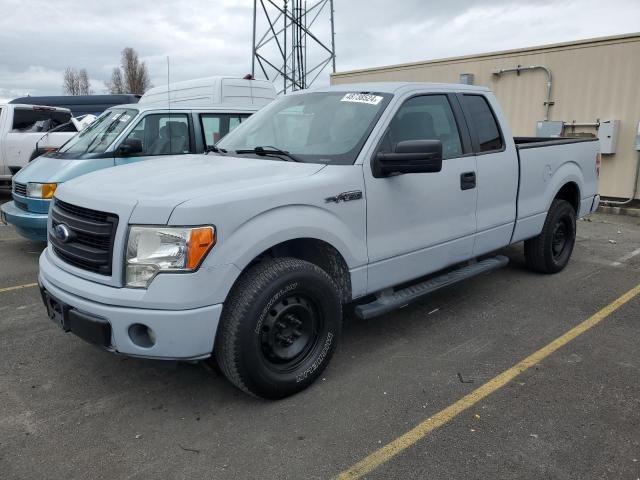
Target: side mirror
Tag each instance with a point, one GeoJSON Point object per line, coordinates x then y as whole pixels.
{"type": "Point", "coordinates": [410, 156]}
{"type": "Point", "coordinates": [131, 146]}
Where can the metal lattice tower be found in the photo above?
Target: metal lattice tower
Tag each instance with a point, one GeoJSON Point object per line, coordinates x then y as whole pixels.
{"type": "Point", "coordinates": [287, 51]}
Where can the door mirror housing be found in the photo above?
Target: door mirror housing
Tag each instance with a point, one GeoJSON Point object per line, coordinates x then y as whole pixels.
{"type": "Point", "coordinates": [131, 146]}
{"type": "Point", "coordinates": [409, 156]}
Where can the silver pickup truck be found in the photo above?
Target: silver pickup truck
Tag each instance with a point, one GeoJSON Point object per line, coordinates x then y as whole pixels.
{"type": "Point", "coordinates": [367, 195]}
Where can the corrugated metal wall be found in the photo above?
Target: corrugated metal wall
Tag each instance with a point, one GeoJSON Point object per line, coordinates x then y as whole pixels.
{"type": "Point", "coordinates": [592, 79]}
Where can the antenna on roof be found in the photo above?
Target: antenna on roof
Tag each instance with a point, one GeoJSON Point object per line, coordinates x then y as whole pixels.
{"type": "Point", "coordinates": [169, 103]}
{"type": "Point", "coordinates": [168, 85]}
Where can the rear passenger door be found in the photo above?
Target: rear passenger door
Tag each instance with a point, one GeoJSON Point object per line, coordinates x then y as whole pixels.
{"type": "Point", "coordinates": [497, 172]}
{"type": "Point", "coordinates": [421, 222]}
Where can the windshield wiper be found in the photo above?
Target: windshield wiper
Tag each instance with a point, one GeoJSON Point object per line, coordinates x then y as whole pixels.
{"type": "Point", "coordinates": [269, 150]}
{"type": "Point", "coordinates": [214, 149]}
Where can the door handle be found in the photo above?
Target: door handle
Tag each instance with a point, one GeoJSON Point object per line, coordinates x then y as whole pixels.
{"type": "Point", "coordinates": [467, 180]}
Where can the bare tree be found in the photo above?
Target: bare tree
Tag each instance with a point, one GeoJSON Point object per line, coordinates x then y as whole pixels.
{"type": "Point", "coordinates": [115, 86]}
{"type": "Point", "coordinates": [76, 82]}
{"type": "Point", "coordinates": [84, 83]}
{"type": "Point", "coordinates": [71, 85]}
{"type": "Point", "coordinates": [131, 77]}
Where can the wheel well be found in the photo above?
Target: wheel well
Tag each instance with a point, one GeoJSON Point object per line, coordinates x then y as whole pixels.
{"type": "Point", "coordinates": [571, 193]}
{"type": "Point", "coordinates": [317, 252]}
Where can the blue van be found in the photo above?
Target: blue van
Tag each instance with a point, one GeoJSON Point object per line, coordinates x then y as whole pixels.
{"type": "Point", "coordinates": [131, 133]}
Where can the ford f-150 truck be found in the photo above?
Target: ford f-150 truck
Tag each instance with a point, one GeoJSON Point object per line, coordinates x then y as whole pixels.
{"type": "Point", "coordinates": [366, 195]}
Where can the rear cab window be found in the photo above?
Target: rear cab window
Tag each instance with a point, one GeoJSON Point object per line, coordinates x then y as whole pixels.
{"type": "Point", "coordinates": [34, 120]}
{"type": "Point", "coordinates": [483, 123]}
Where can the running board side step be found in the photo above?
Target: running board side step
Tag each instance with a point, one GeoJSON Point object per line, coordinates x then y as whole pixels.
{"type": "Point", "coordinates": [388, 300]}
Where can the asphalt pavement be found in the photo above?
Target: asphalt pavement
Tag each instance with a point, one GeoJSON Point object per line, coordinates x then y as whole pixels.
{"type": "Point", "coordinates": [69, 410]}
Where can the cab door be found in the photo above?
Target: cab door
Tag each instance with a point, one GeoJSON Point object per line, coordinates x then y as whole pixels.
{"type": "Point", "coordinates": [497, 167]}
{"type": "Point", "coordinates": [422, 222]}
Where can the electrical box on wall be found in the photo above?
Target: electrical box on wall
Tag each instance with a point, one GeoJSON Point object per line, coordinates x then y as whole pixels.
{"type": "Point", "coordinates": [466, 78]}
{"type": "Point", "coordinates": [549, 128]}
{"type": "Point", "coordinates": [608, 136]}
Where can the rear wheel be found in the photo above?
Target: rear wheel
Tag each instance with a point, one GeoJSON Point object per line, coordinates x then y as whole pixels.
{"type": "Point", "coordinates": [550, 251]}
{"type": "Point", "coordinates": [279, 327]}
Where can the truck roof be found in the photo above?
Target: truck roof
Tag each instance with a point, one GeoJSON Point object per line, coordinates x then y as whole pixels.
{"type": "Point", "coordinates": [396, 87]}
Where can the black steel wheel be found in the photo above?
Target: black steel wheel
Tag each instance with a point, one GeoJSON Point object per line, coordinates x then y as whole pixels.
{"type": "Point", "coordinates": [279, 327]}
{"type": "Point", "coordinates": [290, 331]}
{"type": "Point", "coordinates": [550, 251]}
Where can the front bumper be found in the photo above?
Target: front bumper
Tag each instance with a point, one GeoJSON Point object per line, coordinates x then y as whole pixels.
{"type": "Point", "coordinates": [32, 226]}
{"type": "Point", "coordinates": [178, 334]}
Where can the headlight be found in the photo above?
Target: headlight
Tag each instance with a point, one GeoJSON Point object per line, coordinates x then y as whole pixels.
{"type": "Point", "coordinates": [152, 250]}
{"type": "Point", "coordinates": [41, 190]}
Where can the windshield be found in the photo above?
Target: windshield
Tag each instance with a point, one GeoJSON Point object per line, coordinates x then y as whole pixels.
{"type": "Point", "coordinates": [98, 136]}
{"type": "Point", "coordinates": [316, 127]}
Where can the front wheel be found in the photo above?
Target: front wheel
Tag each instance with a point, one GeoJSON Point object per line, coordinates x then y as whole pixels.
{"type": "Point", "coordinates": [279, 327]}
{"type": "Point", "coordinates": [550, 251]}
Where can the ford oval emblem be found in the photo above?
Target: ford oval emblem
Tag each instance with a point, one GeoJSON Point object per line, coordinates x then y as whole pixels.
{"type": "Point", "coordinates": [62, 233]}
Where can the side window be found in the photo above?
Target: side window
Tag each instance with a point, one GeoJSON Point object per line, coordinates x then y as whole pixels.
{"type": "Point", "coordinates": [59, 118]}
{"type": "Point", "coordinates": [483, 122]}
{"type": "Point", "coordinates": [427, 117]}
{"type": "Point", "coordinates": [162, 134]}
{"type": "Point", "coordinates": [217, 125]}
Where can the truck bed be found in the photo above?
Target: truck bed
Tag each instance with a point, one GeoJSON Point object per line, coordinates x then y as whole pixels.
{"type": "Point", "coordinates": [546, 165]}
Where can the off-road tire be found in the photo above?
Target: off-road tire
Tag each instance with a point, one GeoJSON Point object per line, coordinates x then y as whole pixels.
{"type": "Point", "coordinates": [550, 251]}
{"type": "Point", "coordinates": [251, 339]}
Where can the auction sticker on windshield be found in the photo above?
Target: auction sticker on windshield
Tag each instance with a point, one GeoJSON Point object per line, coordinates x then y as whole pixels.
{"type": "Point", "coordinates": [362, 98]}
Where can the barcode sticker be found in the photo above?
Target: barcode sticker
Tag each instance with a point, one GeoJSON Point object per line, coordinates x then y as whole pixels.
{"type": "Point", "coordinates": [362, 98]}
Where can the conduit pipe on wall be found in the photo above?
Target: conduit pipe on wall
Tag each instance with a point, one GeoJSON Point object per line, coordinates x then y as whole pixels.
{"type": "Point", "coordinates": [520, 68]}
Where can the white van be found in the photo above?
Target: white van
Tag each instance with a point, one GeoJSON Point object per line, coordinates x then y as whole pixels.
{"type": "Point", "coordinates": [211, 91]}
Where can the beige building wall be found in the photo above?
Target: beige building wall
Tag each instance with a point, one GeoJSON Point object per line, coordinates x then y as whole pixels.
{"type": "Point", "coordinates": [592, 79]}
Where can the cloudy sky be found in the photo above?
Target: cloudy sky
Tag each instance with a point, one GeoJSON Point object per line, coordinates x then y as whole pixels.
{"type": "Point", "coordinates": [40, 38]}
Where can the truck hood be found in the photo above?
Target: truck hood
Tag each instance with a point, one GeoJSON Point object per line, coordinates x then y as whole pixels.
{"type": "Point", "coordinates": [155, 187]}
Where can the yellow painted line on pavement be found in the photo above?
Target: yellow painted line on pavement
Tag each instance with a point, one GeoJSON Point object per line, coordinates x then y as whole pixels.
{"type": "Point", "coordinates": [421, 430]}
{"type": "Point", "coordinates": [18, 287]}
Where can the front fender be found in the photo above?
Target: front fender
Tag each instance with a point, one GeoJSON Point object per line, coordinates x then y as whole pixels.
{"type": "Point", "coordinates": [275, 226]}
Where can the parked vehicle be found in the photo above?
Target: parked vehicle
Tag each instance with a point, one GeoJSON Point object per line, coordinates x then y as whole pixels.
{"type": "Point", "coordinates": [21, 129]}
{"type": "Point", "coordinates": [124, 134]}
{"type": "Point", "coordinates": [370, 194]}
{"type": "Point", "coordinates": [80, 104]}
{"type": "Point", "coordinates": [212, 91]}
